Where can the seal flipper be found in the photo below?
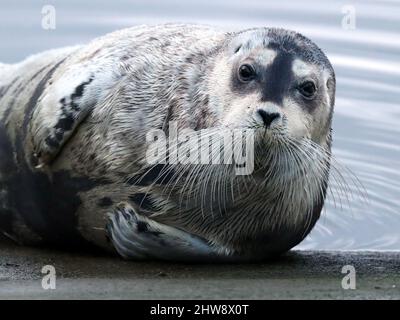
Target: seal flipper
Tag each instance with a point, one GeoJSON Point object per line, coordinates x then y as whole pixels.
{"type": "Point", "coordinates": [66, 102]}
{"type": "Point", "coordinates": [137, 237]}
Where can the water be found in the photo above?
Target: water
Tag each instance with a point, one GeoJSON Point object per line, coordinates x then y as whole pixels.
{"type": "Point", "coordinates": [366, 59]}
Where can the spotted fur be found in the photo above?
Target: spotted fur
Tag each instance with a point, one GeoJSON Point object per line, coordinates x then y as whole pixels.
{"type": "Point", "coordinates": [73, 126]}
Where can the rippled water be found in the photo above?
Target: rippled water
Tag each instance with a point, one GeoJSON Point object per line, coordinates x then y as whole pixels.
{"type": "Point", "coordinates": [366, 60]}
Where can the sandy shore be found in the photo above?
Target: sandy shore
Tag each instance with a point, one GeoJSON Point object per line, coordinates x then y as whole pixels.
{"type": "Point", "coordinates": [297, 275]}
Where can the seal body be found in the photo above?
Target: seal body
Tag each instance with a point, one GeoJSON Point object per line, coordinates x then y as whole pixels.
{"type": "Point", "coordinates": [73, 127]}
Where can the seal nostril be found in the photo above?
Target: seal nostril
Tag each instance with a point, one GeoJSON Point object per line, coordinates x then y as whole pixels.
{"type": "Point", "coordinates": [267, 117]}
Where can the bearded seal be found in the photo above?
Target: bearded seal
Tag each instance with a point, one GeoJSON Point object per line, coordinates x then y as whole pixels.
{"type": "Point", "coordinates": [73, 126]}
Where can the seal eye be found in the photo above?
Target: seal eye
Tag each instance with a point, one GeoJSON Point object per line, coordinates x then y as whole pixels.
{"type": "Point", "coordinates": [307, 89]}
{"type": "Point", "coordinates": [246, 73]}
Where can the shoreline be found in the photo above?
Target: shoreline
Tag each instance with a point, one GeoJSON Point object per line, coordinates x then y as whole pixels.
{"type": "Point", "coordinates": [296, 275]}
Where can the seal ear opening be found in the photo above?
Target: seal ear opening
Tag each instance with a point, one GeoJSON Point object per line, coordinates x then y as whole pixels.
{"type": "Point", "coordinates": [331, 86]}
{"type": "Point", "coordinates": [330, 83]}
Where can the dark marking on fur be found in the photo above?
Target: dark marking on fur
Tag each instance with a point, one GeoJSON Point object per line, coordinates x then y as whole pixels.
{"type": "Point", "coordinates": [298, 45]}
{"type": "Point", "coordinates": [80, 89]}
{"type": "Point", "coordinates": [17, 90]}
{"type": "Point", "coordinates": [69, 114]}
{"type": "Point", "coordinates": [90, 56]}
{"type": "Point", "coordinates": [30, 107]}
{"type": "Point", "coordinates": [159, 174]}
{"type": "Point", "coordinates": [105, 202]}
{"type": "Point", "coordinates": [7, 169]}
{"type": "Point", "coordinates": [278, 79]}
{"type": "Point", "coordinates": [276, 82]}
{"type": "Point", "coordinates": [65, 124]}
{"type": "Point", "coordinates": [4, 89]}
{"type": "Point", "coordinates": [273, 81]}
{"type": "Point", "coordinates": [36, 74]}
{"type": "Point", "coordinates": [142, 226]}
{"type": "Point", "coordinates": [143, 201]}
{"type": "Point", "coordinates": [166, 43]}
{"type": "Point", "coordinates": [47, 206]}
{"type": "Point", "coordinates": [52, 142]}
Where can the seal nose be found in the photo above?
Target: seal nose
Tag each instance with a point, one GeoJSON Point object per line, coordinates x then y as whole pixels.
{"type": "Point", "coordinates": [267, 117]}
